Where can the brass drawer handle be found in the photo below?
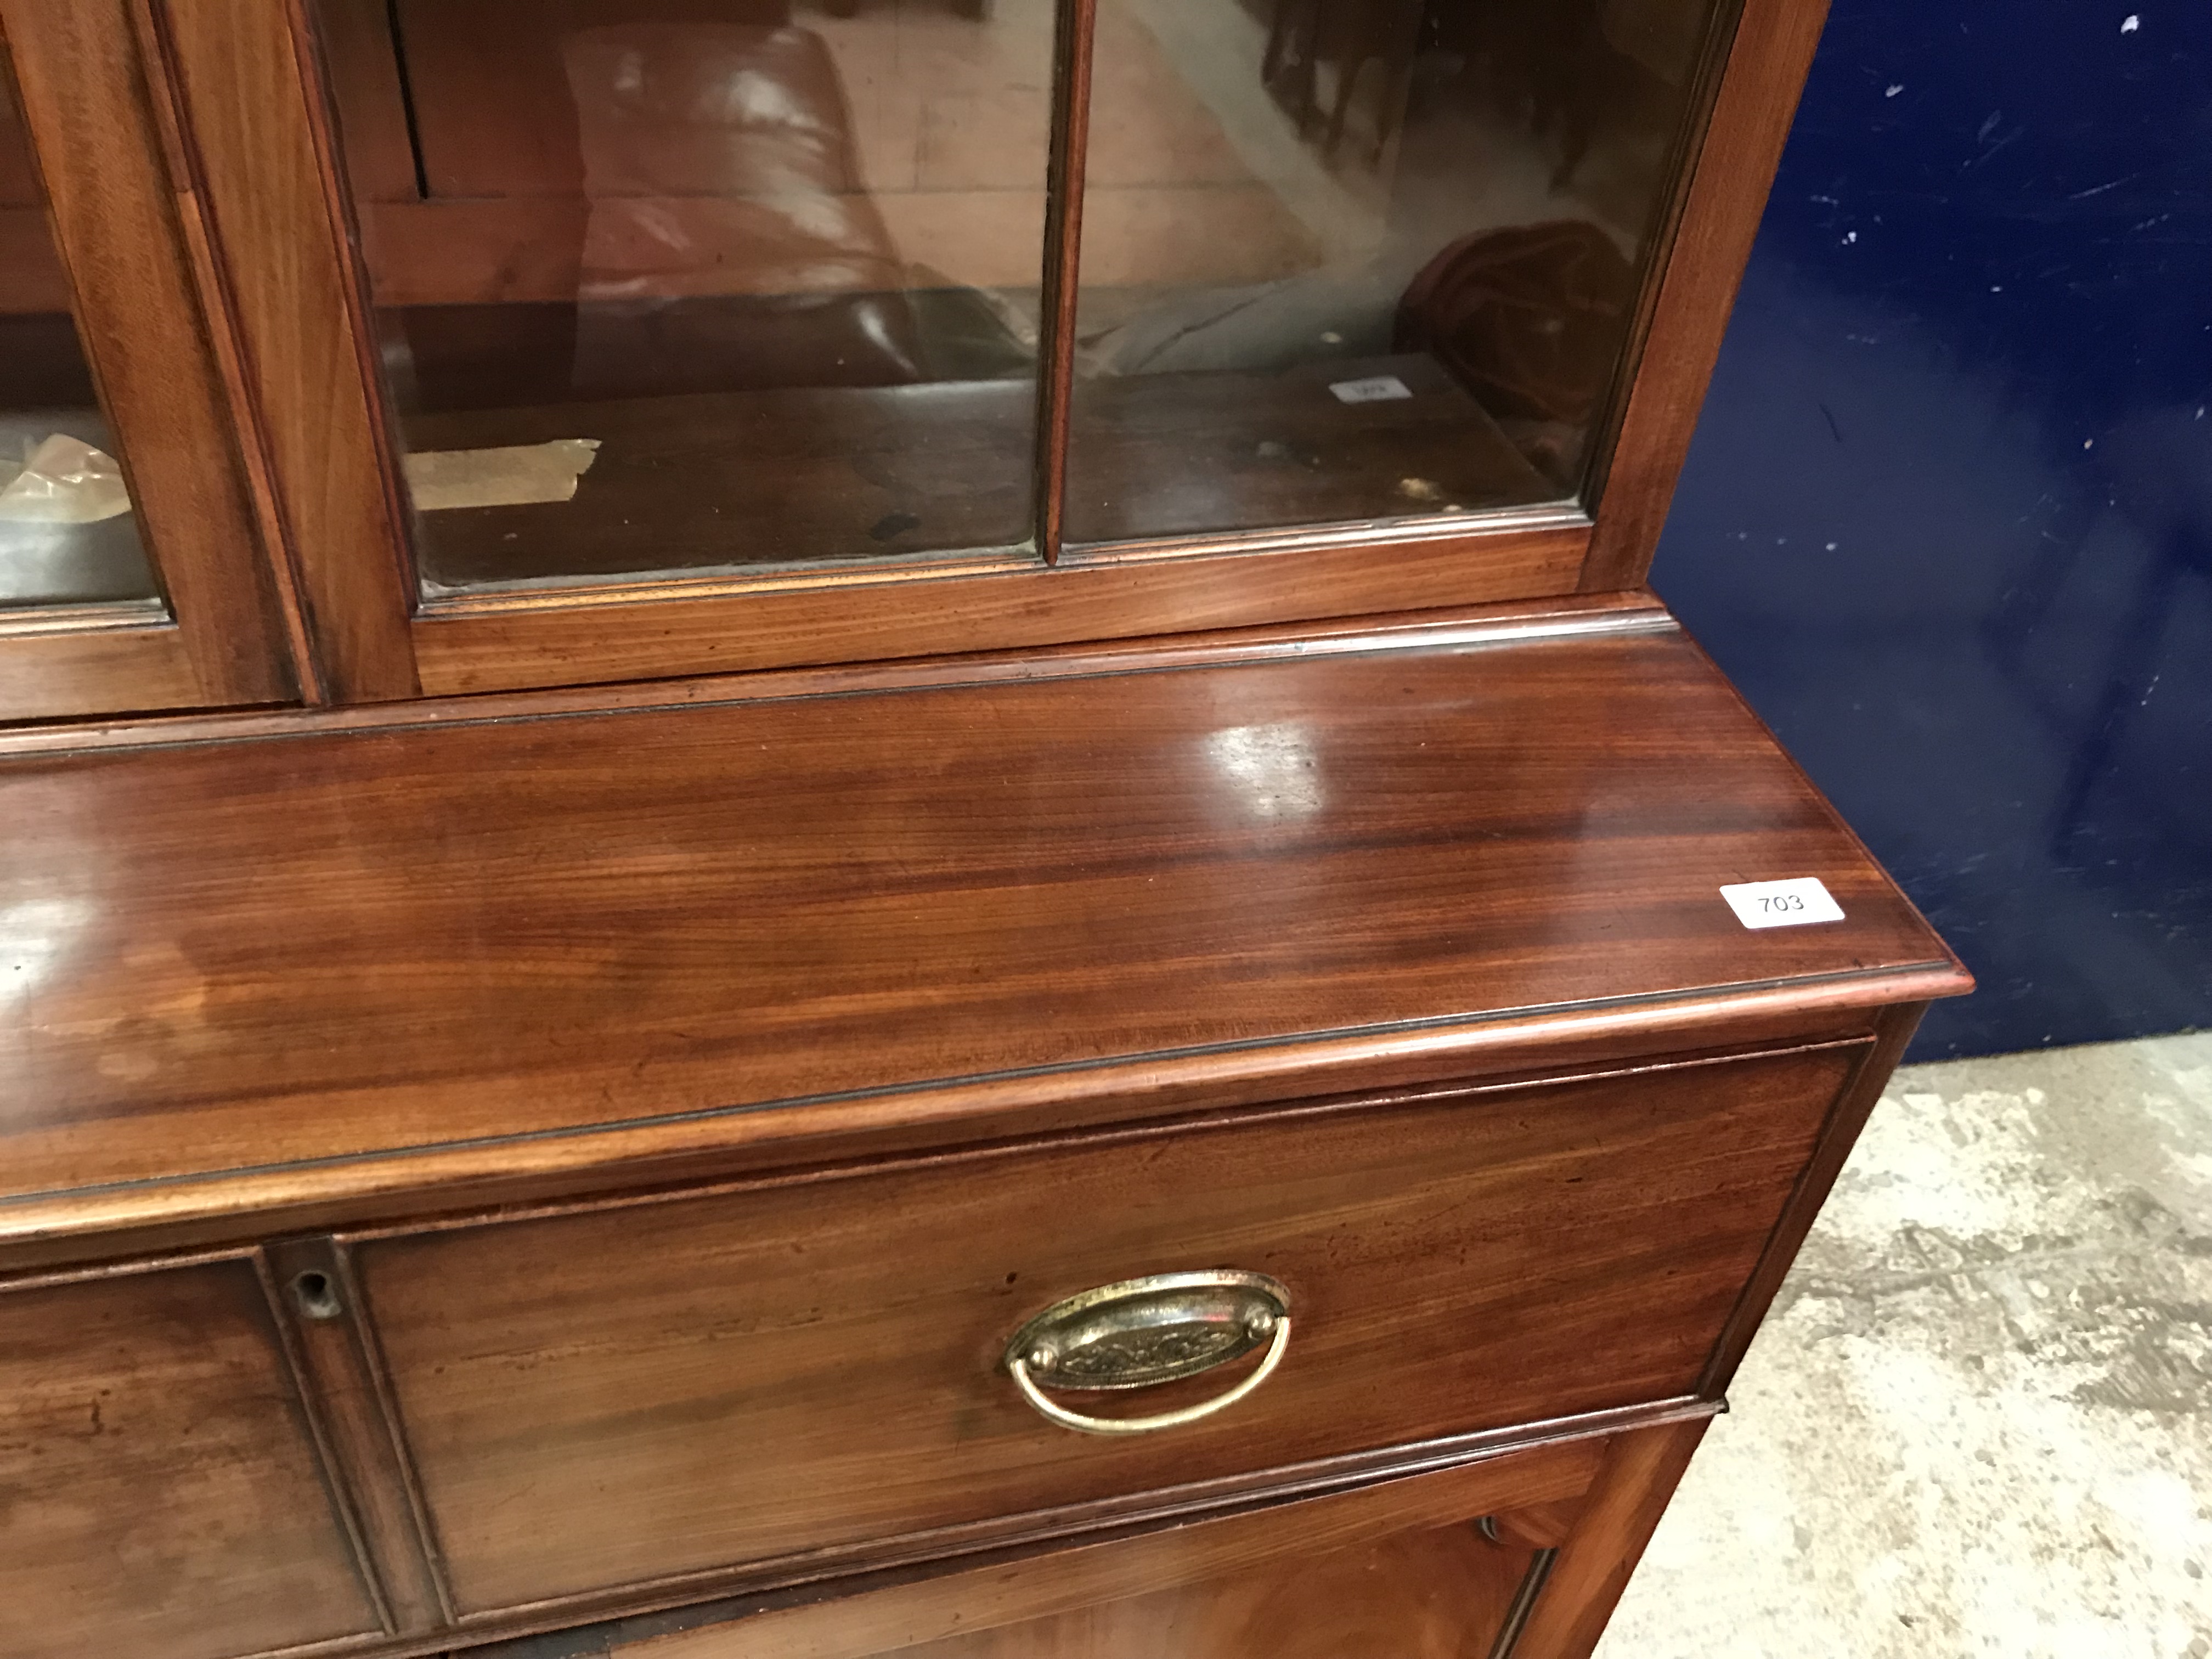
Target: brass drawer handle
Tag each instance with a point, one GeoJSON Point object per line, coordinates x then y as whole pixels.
{"type": "Point", "coordinates": [1144, 1331]}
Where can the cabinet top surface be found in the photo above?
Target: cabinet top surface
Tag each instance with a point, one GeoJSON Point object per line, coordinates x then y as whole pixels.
{"type": "Point", "coordinates": [294, 958]}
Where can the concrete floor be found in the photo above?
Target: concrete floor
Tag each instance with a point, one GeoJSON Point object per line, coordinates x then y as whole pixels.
{"type": "Point", "coordinates": [1979, 1418]}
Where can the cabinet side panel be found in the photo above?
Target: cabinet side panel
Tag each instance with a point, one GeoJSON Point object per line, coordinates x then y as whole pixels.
{"type": "Point", "coordinates": [1592, 1569]}
{"type": "Point", "coordinates": [1852, 1109]}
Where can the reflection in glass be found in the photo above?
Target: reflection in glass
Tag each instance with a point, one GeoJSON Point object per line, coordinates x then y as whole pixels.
{"type": "Point", "coordinates": [1351, 259]}
{"type": "Point", "coordinates": [683, 285]}
{"type": "Point", "coordinates": [68, 535]}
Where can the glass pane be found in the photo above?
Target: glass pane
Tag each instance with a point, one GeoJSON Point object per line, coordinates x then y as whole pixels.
{"type": "Point", "coordinates": [683, 286]}
{"type": "Point", "coordinates": [68, 535]}
{"type": "Point", "coordinates": [1355, 259]}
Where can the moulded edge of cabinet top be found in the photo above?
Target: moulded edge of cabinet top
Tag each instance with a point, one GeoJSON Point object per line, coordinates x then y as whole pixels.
{"type": "Point", "coordinates": [263, 975]}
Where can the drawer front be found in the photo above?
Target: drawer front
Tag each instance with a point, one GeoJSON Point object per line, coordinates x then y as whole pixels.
{"type": "Point", "coordinates": [160, 1497]}
{"type": "Point", "coordinates": [624, 1393]}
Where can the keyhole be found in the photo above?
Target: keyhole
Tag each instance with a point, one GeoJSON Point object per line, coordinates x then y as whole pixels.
{"type": "Point", "coordinates": [318, 1297]}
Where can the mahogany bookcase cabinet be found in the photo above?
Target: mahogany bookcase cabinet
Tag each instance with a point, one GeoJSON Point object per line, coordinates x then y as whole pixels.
{"type": "Point", "coordinates": [853, 829]}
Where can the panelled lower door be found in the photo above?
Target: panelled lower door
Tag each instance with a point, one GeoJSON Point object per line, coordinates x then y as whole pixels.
{"type": "Point", "coordinates": [1443, 1565]}
{"type": "Point", "coordinates": [161, 1493]}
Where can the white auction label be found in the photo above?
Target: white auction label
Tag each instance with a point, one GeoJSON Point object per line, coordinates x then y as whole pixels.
{"type": "Point", "coordinates": [1781, 903]}
{"type": "Point", "coordinates": [1375, 389]}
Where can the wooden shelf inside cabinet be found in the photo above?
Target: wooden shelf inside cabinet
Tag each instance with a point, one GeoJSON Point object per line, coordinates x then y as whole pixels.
{"type": "Point", "coordinates": [856, 473]}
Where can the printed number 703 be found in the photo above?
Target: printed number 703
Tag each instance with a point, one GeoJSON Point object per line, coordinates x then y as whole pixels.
{"type": "Point", "coordinates": [1781, 901]}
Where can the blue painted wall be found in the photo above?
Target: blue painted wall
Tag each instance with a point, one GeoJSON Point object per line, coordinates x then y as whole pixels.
{"type": "Point", "coordinates": [1948, 520]}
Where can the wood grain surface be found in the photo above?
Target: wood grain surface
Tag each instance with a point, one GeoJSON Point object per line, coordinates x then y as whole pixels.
{"type": "Point", "coordinates": [103, 658]}
{"type": "Point", "coordinates": [162, 1495]}
{"type": "Point", "coordinates": [360, 58]}
{"type": "Point", "coordinates": [332, 948]}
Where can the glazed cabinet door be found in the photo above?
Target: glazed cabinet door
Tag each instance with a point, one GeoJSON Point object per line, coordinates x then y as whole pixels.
{"type": "Point", "coordinates": [700, 335]}
{"type": "Point", "coordinates": [131, 575]}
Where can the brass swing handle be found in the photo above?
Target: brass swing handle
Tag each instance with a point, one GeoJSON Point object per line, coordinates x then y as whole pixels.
{"type": "Point", "coordinates": [1141, 1332]}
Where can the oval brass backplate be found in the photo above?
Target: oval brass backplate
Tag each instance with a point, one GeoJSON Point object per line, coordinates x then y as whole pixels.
{"type": "Point", "coordinates": [1144, 1331]}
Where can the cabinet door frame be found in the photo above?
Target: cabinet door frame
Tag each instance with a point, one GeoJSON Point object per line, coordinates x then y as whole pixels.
{"type": "Point", "coordinates": [261, 108]}
{"type": "Point", "coordinates": [124, 215]}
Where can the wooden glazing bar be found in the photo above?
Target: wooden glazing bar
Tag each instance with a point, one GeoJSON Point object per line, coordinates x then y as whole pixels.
{"type": "Point", "coordinates": [276, 221]}
{"type": "Point", "coordinates": [281, 569]}
{"type": "Point", "coordinates": [1063, 234]}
